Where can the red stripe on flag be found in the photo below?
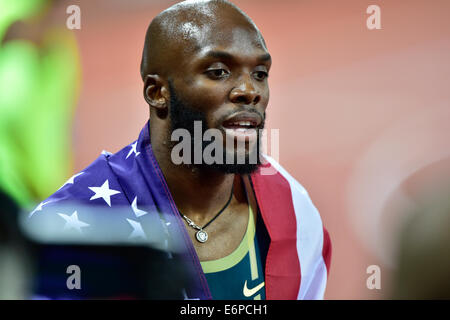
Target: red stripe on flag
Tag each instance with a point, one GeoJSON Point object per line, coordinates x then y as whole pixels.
{"type": "Point", "coordinates": [326, 249]}
{"type": "Point", "coordinates": [282, 273]}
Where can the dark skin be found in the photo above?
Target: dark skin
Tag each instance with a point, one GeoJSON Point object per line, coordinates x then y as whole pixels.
{"type": "Point", "coordinates": [220, 66]}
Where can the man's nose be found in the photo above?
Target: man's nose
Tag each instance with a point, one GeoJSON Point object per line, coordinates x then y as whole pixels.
{"type": "Point", "coordinates": [245, 93]}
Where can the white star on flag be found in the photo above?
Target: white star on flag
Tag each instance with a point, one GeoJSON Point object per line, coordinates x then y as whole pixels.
{"type": "Point", "coordinates": [72, 221]}
{"type": "Point", "coordinates": [106, 153]}
{"type": "Point", "coordinates": [103, 192]}
{"type": "Point", "coordinates": [71, 180]}
{"type": "Point", "coordinates": [137, 229]}
{"type": "Point", "coordinates": [38, 208]}
{"type": "Point", "coordinates": [137, 211]}
{"type": "Point", "coordinates": [133, 150]}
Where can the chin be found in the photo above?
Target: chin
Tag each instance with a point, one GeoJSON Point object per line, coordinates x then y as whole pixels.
{"type": "Point", "coordinates": [247, 167]}
{"type": "Point", "coordinates": [234, 168]}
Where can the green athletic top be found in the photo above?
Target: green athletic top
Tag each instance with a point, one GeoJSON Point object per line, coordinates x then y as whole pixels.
{"type": "Point", "coordinates": [238, 276]}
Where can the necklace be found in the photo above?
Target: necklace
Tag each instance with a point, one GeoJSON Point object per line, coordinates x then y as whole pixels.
{"type": "Point", "coordinates": [202, 235]}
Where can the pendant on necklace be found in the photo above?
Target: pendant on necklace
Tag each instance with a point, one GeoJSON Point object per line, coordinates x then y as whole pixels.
{"type": "Point", "coordinates": [201, 236]}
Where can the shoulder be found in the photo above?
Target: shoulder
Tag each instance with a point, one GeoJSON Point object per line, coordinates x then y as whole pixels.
{"type": "Point", "coordinates": [294, 222]}
{"type": "Point", "coordinates": [90, 205]}
{"type": "Point", "coordinates": [286, 194]}
{"type": "Point", "coordinates": [94, 185]}
{"type": "Point", "coordinates": [309, 221]}
{"type": "Point", "coordinates": [313, 238]}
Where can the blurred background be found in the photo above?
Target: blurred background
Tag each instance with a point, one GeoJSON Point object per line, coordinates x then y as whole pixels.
{"type": "Point", "coordinates": [364, 115]}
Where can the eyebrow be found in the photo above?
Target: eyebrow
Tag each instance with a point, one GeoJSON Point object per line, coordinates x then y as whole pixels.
{"type": "Point", "coordinates": [227, 56]}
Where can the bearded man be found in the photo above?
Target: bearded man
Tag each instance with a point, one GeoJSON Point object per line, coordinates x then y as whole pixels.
{"type": "Point", "coordinates": [249, 229]}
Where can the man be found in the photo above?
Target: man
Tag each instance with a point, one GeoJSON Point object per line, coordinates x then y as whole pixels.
{"type": "Point", "coordinates": [247, 235]}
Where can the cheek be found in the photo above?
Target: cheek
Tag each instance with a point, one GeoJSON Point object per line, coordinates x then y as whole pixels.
{"type": "Point", "coordinates": [209, 94]}
{"type": "Point", "coordinates": [208, 97]}
{"type": "Point", "coordinates": [265, 95]}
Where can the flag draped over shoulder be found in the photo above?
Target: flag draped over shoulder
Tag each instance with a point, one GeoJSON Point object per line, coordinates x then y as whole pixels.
{"type": "Point", "coordinates": [299, 253]}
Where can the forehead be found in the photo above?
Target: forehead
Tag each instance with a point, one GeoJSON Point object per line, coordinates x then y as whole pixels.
{"type": "Point", "coordinates": [237, 40]}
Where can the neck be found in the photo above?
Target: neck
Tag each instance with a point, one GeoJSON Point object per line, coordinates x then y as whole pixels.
{"type": "Point", "coordinates": [199, 193]}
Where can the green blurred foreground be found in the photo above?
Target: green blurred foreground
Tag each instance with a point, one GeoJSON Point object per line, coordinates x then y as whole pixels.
{"type": "Point", "coordinates": [38, 88]}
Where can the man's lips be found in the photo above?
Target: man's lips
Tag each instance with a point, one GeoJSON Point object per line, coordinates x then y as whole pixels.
{"type": "Point", "coordinates": [242, 126]}
{"type": "Point", "coordinates": [243, 120]}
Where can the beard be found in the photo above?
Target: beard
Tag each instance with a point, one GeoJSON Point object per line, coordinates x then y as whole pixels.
{"type": "Point", "coordinates": [183, 116]}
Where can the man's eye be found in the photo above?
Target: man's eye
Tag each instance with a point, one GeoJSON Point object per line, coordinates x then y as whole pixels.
{"type": "Point", "coordinates": [261, 75]}
{"type": "Point", "coordinates": [217, 73]}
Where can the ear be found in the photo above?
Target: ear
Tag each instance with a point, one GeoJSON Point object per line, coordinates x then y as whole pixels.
{"type": "Point", "coordinates": [155, 91]}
